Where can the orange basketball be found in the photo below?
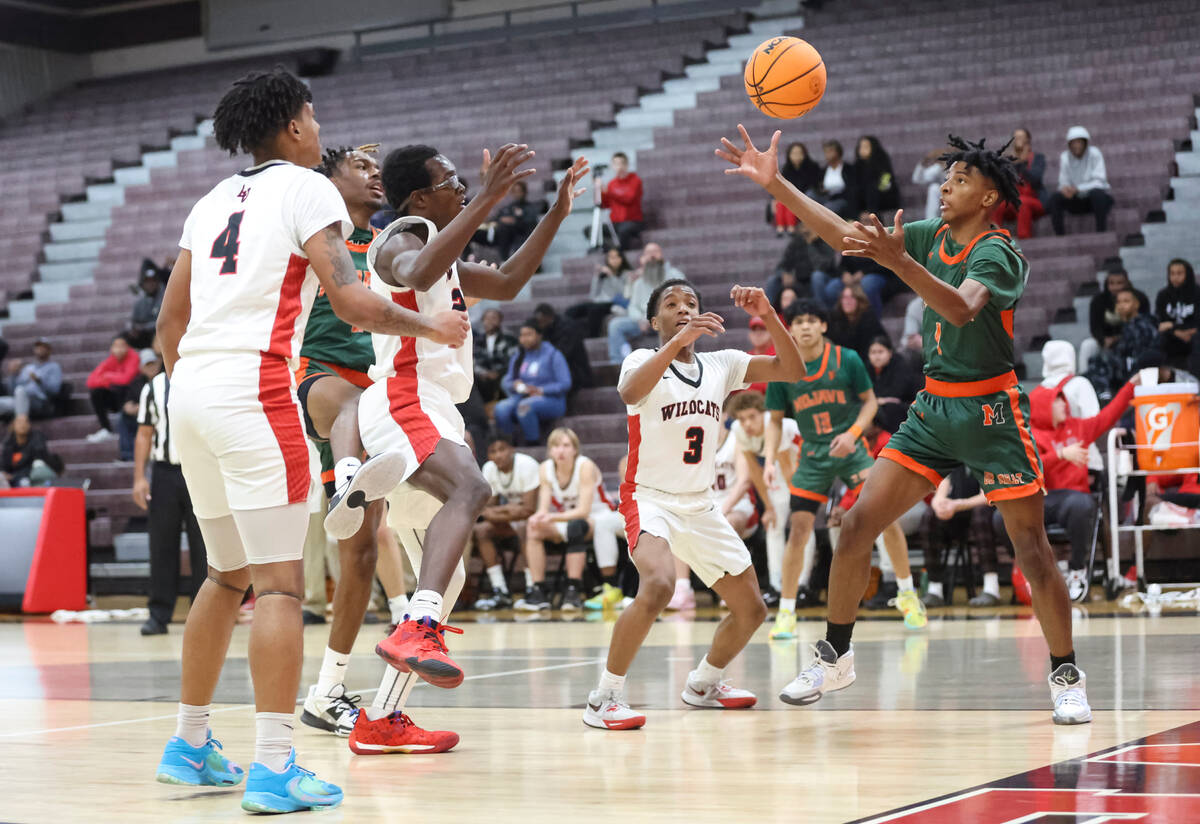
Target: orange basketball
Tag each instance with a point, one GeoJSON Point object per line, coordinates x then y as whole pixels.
{"type": "Point", "coordinates": [785, 77]}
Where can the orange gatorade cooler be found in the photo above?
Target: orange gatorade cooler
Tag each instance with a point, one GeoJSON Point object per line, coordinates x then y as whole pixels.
{"type": "Point", "coordinates": [1168, 425]}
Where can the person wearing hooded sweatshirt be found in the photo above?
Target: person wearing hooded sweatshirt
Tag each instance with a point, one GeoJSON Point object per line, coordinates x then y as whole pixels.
{"type": "Point", "coordinates": [1062, 441]}
{"type": "Point", "coordinates": [1082, 182]}
{"type": "Point", "coordinates": [1177, 308]}
{"type": "Point", "coordinates": [1058, 375]}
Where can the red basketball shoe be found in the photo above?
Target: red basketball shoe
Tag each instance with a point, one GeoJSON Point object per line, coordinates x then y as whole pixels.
{"type": "Point", "coordinates": [396, 732]}
{"type": "Point", "coordinates": [419, 646]}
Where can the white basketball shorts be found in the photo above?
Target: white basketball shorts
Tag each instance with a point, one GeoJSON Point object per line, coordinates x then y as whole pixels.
{"type": "Point", "coordinates": [392, 419]}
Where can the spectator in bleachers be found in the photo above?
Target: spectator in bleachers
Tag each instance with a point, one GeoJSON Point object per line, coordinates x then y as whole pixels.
{"type": "Point", "coordinates": [896, 383]}
{"type": "Point", "coordinates": [622, 196]}
{"type": "Point", "coordinates": [514, 479]}
{"type": "Point", "coordinates": [806, 266]}
{"type": "Point", "coordinates": [149, 365]}
{"type": "Point", "coordinates": [35, 386]}
{"type": "Point", "coordinates": [513, 223]}
{"type": "Point", "coordinates": [1031, 166]}
{"type": "Point", "coordinates": [873, 189]}
{"type": "Point", "coordinates": [109, 384]}
{"type": "Point", "coordinates": [801, 171]}
{"type": "Point", "coordinates": [960, 513]}
{"type": "Point", "coordinates": [1058, 375]}
{"type": "Point", "coordinates": [853, 323]}
{"type": "Point", "coordinates": [536, 386]}
{"type": "Point", "coordinates": [878, 283]}
{"type": "Point", "coordinates": [145, 311]}
{"type": "Point", "coordinates": [1063, 443]}
{"type": "Point", "coordinates": [1173, 500]}
{"type": "Point", "coordinates": [837, 182]}
{"type": "Point", "coordinates": [26, 459]}
{"type": "Point", "coordinates": [1103, 321]}
{"type": "Point", "coordinates": [1110, 368]}
{"type": "Point", "coordinates": [624, 329]}
{"type": "Point", "coordinates": [931, 173]}
{"type": "Point", "coordinates": [1177, 307]}
{"type": "Point", "coordinates": [1082, 182]}
{"type": "Point", "coordinates": [567, 339]}
{"type": "Point", "coordinates": [606, 291]}
{"type": "Point", "coordinates": [786, 298]}
{"type": "Point", "coordinates": [493, 350]}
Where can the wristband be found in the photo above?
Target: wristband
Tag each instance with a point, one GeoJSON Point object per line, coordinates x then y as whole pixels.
{"type": "Point", "coordinates": [855, 430]}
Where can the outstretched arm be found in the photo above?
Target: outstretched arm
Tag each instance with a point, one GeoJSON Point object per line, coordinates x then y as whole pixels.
{"type": "Point", "coordinates": [786, 364]}
{"type": "Point", "coordinates": [636, 385]}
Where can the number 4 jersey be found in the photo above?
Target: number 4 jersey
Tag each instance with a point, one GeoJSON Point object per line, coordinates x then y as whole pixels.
{"type": "Point", "coordinates": [673, 431]}
{"type": "Point", "coordinates": [252, 288]}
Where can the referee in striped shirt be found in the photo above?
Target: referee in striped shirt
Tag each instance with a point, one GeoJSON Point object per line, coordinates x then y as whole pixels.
{"type": "Point", "coordinates": [166, 497]}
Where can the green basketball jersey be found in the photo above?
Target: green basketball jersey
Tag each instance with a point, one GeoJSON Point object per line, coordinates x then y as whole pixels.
{"type": "Point", "coordinates": [983, 348]}
{"type": "Point", "coordinates": [825, 403]}
{"type": "Point", "coordinates": [330, 339]}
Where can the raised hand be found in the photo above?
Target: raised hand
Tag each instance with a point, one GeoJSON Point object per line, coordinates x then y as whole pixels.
{"type": "Point", "coordinates": [877, 243]}
{"type": "Point", "coordinates": [761, 167]}
{"type": "Point", "coordinates": [709, 323]}
{"type": "Point", "coordinates": [568, 188]}
{"type": "Point", "coordinates": [752, 300]}
{"type": "Point", "coordinates": [450, 327]}
{"type": "Point", "coordinates": [504, 170]}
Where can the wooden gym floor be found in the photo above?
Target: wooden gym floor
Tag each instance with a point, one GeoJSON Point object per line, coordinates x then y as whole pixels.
{"type": "Point", "coordinates": [947, 724]}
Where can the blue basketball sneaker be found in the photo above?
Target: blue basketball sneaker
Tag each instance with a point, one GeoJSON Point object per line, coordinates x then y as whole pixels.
{"type": "Point", "coordinates": [289, 791]}
{"type": "Point", "coordinates": [205, 765]}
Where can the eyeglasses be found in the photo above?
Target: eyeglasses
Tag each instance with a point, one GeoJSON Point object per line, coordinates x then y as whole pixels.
{"type": "Point", "coordinates": [451, 182]}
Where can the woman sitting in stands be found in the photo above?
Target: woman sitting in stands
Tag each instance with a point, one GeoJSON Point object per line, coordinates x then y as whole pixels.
{"type": "Point", "coordinates": [852, 323]}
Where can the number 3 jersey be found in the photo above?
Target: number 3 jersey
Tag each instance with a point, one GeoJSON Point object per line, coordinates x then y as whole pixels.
{"type": "Point", "coordinates": [673, 431]}
{"type": "Point", "coordinates": [420, 360]}
{"type": "Point", "coordinates": [251, 285]}
{"type": "Point", "coordinates": [825, 402]}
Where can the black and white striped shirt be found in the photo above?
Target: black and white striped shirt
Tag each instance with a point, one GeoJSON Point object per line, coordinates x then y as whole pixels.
{"type": "Point", "coordinates": [152, 411]}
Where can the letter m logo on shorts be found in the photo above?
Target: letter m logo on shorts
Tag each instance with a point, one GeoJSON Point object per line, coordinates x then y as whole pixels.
{"type": "Point", "coordinates": [993, 413]}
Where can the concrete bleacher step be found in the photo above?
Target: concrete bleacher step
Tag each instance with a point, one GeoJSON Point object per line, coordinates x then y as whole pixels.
{"type": "Point", "coordinates": [86, 210]}
{"type": "Point", "coordinates": [73, 250]}
{"type": "Point", "coordinates": [78, 230]}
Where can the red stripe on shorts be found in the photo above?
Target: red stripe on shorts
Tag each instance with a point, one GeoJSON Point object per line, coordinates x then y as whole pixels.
{"type": "Point", "coordinates": [283, 415]}
{"type": "Point", "coordinates": [628, 507]}
{"type": "Point", "coordinates": [404, 402]}
{"type": "Point", "coordinates": [283, 330]}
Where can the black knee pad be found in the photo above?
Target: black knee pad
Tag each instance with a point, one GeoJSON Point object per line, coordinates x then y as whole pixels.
{"type": "Point", "coordinates": [577, 530]}
{"type": "Point", "coordinates": [799, 504]}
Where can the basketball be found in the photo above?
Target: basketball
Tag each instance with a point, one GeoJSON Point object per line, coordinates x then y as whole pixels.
{"type": "Point", "coordinates": [785, 77]}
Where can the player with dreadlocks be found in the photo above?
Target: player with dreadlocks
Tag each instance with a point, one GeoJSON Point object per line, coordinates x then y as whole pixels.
{"type": "Point", "coordinates": [971, 412]}
{"type": "Point", "coordinates": [334, 360]}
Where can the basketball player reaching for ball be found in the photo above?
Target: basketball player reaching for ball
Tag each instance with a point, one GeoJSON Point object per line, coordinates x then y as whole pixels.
{"type": "Point", "coordinates": [831, 406]}
{"type": "Point", "coordinates": [251, 255]}
{"type": "Point", "coordinates": [410, 409]}
{"type": "Point", "coordinates": [334, 360]}
{"type": "Point", "coordinates": [674, 396]}
{"type": "Point", "coordinates": [971, 412]}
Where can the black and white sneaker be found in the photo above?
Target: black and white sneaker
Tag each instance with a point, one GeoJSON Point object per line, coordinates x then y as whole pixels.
{"type": "Point", "coordinates": [572, 600]}
{"type": "Point", "coordinates": [534, 600]}
{"type": "Point", "coordinates": [497, 600]}
{"type": "Point", "coordinates": [335, 712]}
{"type": "Point", "coordinates": [374, 479]}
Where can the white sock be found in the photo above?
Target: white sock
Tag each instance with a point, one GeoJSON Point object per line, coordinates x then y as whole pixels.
{"type": "Point", "coordinates": [425, 603]}
{"type": "Point", "coordinates": [496, 576]}
{"type": "Point", "coordinates": [935, 588]}
{"type": "Point", "coordinates": [344, 470]}
{"type": "Point", "coordinates": [389, 688]}
{"type": "Point", "coordinates": [991, 583]}
{"type": "Point", "coordinates": [787, 604]}
{"type": "Point", "coordinates": [397, 606]}
{"type": "Point", "coordinates": [706, 673]}
{"type": "Point", "coordinates": [683, 584]}
{"type": "Point", "coordinates": [528, 579]}
{"type": "Point", "coordinates": [905, 583]}
{"type": "Point", "coordinates": [611, 683]}
{"type": "Point", "coordinates": [273, 739]}
{"type": "Point", "coordinates": [1062, 567]}
{"type": "Point", "coordinates": [192, 724]}
{"type": "Point", "coordinates": [333, 670]}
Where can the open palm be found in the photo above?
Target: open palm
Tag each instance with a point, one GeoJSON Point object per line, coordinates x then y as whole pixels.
{"type": "Point", "coordinates": [759, 166]}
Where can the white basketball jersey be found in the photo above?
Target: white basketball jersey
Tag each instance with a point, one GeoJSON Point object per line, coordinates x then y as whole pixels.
{"type": "Point", "coordinates": [789, 441]}
{"type": "Point", "coordinates": [673, 430]}
{"type": "Point", "coordinates": [420, 359]}
{"type": "Point", "coordinates": [564, 498]}
{"type": "Point", "coordinates": [252, 287]}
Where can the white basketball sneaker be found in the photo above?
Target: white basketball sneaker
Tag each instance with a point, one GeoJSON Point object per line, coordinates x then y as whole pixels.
{"type": "Point", "coordinates": [826, 673]}
{"type": "Point", "coordinates": [374, 479]}
{"type": "Point", "coordinates": [1068, 691]}
{"type": "Point", "coordinates": [718, 696]}
{"type": "Point", "coordinates": [608, 711]}
{"type": "Point", "coordinates": [335, 712]}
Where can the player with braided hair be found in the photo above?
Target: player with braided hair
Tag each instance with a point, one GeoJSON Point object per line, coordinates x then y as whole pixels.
{"type": "Point", "coordinates": [971, 412]}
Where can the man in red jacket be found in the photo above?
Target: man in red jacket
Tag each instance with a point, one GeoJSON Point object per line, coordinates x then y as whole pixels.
{"type": "Point", "coordinates": [1063, 442]}
{"type": "Point", "coordinates": [622, 196]}
{"type": "Point", "coordinates": [108, 385]}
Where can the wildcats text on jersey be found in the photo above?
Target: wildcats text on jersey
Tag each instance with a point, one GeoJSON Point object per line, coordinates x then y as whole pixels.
{"type": "Point", "coordinates": [693, 407]}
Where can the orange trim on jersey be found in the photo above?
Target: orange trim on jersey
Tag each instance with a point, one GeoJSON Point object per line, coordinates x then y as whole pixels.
{"type": "Point", "coordinates": [1031, 453]}
{"type": "Point", "coordinates": [1006, 317]}
{"type": "Point", "coordinates": [839, 357]}
{"type": "Point", "coordinates": [824, 363]}
{"type": "Point", "coordinates": [328, 476]}
{"type": "Point", "coordinates": [1011, 492]}
{"type": "Point", "coordinates": [361, 248]}
{"type": "Point", "coordinates": [359, 379]}
{"type": "Point", "coordinates": [970, 389]}
{"type": "Point", "coordinates": [966, 250]}
{"type": "Point", "coordinates": [804, 493]}
{"type": "Point", "coordinates": [911, 465]}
